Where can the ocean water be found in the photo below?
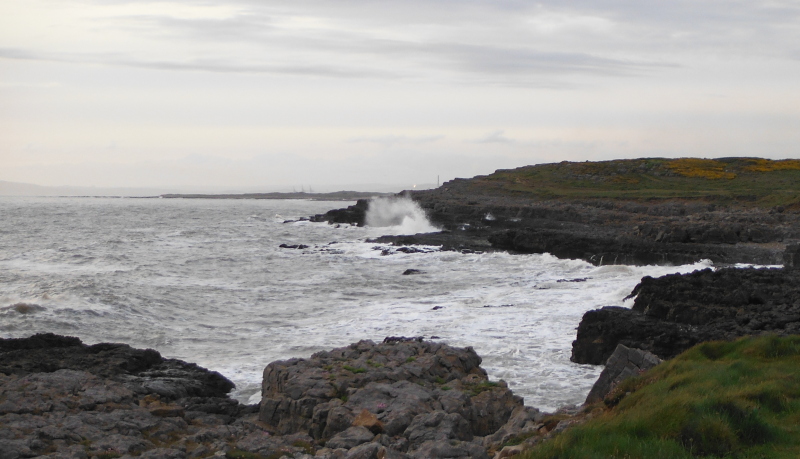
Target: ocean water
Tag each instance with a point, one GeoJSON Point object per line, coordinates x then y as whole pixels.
{"type": "Point", "coordinates": [206, 281]}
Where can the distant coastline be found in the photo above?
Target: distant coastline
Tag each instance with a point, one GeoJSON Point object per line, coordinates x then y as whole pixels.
{"type": "Point", "coordinates": [334, 196]}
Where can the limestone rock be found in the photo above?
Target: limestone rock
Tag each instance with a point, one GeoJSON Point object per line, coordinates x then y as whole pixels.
{"type": "Point", "coordinates": [623, 364]}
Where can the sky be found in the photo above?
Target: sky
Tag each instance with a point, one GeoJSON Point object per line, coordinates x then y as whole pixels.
{"type": "Point", "coordinates": [349, 94]}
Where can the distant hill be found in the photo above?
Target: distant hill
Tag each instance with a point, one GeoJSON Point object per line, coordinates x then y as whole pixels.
{"type": "Point", "coordinates": [746, 181]}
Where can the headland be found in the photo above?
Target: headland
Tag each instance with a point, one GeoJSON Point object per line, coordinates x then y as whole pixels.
{"type": "Point", "coordinates": [637, 211]}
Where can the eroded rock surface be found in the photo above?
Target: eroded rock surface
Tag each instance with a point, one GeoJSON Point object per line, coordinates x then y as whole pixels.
{"type": "Point", "coordinates": [624, 363]}
{"type": "Point", "coordinates": [409, 396]}
{"type": "Point", "coordinates": [401, 399]}
{"type": "Point", "coordinates": [675, 312]}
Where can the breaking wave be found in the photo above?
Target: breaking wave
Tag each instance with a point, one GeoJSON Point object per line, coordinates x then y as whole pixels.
{"type": "Point", "coordinates": [398, 215]}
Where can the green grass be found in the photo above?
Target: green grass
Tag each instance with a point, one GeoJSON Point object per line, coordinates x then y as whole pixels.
{"type": "Point", "coordinates": [354, 369]}
{"type": "Point", "coordinates": [744, 181]}
{"type": "Point", "coordinates": [736, 399]}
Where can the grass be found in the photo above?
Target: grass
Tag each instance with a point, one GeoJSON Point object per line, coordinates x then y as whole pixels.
{"type": "Point", "coordinates": [744, 181]}
{"type": "Point", "coordinates": [736, 399]}
{"type": "Point", "coordinates": [354, 369]}
{"type": "Point", "coordinates": [475, 389]}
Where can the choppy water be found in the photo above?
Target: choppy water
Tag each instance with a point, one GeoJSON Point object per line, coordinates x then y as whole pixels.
{"type": "Point", "coordinates": [205, 281]}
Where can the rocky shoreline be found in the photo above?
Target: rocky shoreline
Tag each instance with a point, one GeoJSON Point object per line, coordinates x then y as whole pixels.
{"type": "Point", "coordinates": [598, 231]}
{"type": "Point", "coordinates": [673, 313]}
{"type": "Point", "coordinates": [402, 398]}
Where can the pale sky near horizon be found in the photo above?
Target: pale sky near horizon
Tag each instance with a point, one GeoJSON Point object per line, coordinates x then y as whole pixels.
{"type": "Point", "coordinates": [265, 94]}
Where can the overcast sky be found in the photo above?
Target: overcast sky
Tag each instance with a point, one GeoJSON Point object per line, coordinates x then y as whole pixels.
{"type": "Point", "coordinates": [326, 94]}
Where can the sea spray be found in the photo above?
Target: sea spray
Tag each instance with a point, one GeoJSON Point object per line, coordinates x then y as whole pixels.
{"type": "Point", "coordinates": [398, 215]}
{"type": "Point", "coordinates": [207, 282]}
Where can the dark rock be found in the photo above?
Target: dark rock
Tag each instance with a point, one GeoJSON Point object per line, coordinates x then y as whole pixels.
{"type": "Point", "coordinates": [38, 341]}
{"type": "Point", "coordinates": [144, 371]}
{"type": "Point", "coordinates": [437, 426]}
{"type": "Point", "coordinates": [602, 231]}
{"type": "Point", "coordinates": [791, 257]}
{"type": "Point", "coordinates": [354, 215]}
{"type": "Point", "coordinates": [395, 389]}
{"type": "Point", "coordinates": [350, 438]}
{"type": "Point", "coordinates": [410, 271]}
{"type": "Point", "coordinates": [623, 364]}
{"type": "Point", "coordinates": [451, 450]}
{"type": "Point", "coordinates": [675, 312]}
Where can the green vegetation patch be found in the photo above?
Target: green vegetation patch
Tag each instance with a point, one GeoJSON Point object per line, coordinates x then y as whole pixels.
{"type": "Point", "coordinates": [745, 181]}
{"type": "Point", "coordinates": [354, 369]}
{"type": "Point", "coordinates": [736, 399]}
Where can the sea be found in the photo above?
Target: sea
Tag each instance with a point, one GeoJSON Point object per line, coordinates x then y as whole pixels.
{"type": "Point", "coordinates": [206, 281]}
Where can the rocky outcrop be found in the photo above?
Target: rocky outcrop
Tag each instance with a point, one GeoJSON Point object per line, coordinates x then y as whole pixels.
{"type": "Point", "coordinates": [143, 371]}
{"type": "Point", "coordinates": [62, 398]}
{"type": "Point", "coordinates": [404, 398]}
{"type": "Point", "coordinates": [408, 396]}
{"type": "Point", "coordinates": [352, 215]}
{"type": "Point", "coordinates": [673, 313]}
{"type": "Point", "coordinates": [627, 249]}
{"type": "Point", "coordinates": [623, 364]}
{"type": "Point", "coordinates": [489, 213]}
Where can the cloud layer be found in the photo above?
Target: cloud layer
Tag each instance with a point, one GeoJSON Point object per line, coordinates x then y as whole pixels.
{"type": "Point", "coordinates": [503, 82]}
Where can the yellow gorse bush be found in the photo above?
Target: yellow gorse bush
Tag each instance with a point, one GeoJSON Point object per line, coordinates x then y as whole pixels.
{"type": "Point", "coordinates": [767, 165]}
{"type": "Point", "coordinates": [702, 168]}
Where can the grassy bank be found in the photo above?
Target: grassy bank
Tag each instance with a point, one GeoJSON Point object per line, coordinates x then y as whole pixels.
{"type": "Point", "coordinates": [747, 181]}
{"type": "Point", "coordinates": [723, 399]}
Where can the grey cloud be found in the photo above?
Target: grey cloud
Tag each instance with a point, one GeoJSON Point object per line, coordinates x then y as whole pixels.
{"type": "Point", "coordinates": [204, 65]}
{"type": "Point", "coordinates": [353, 48]}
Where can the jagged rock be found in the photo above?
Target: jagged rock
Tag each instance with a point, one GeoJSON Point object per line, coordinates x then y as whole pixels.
{"type": "Point", "coordinates": [450, 449]}
{"type": "Point", "coordinates": [350, 438]}
{"type": "Point", "coordinates": [354, 215]}
{"type": "Point", "coordinates": [407, 388]}
{"type": "Point", "coordinates": [437, 426]}
{"type": "Point", "coordinates": [366, 451]}
{"type": "Point", "coordinates": [369, 420]}
{"type": "Point", "coordinates": [143, 371]}
{"type": "Point", "coordinates": [791, 256]}
{"type": "Point", "coordinates": [523, 420]}
{"type": "Point", "coordinates": [404, 398]}
{"type": "Point", "coordinates": [672, 313]}
{"type": "Point", "coordinates": [623, 364]}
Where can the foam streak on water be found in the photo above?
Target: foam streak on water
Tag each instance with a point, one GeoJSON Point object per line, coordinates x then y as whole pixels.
{"type": "Point", "coordinates": [205, 281]}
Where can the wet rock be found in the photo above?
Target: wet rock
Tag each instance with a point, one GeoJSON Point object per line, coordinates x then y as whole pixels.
{"type": "Point", "coordinates": [410, 271]}
{"type": "Point", "coordinates": [143, 371]}
{"type": "Point", "coordinates": [293, 246]}
{"type": "Point", "coordinates": [403, 398]}
{"type": "Point", "coordinates": [672, 313]}
{"type": "Point", "coordinates": [791, 256]}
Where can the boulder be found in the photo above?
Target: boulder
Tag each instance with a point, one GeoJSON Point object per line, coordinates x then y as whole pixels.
{"type": "Point", "coordinates": [409, 390]}
{"type": "Point", "coordinates": [623, 364]}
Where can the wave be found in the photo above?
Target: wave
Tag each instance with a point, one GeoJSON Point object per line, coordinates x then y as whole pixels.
{"type": "Point", "coordinates": [398, 215]}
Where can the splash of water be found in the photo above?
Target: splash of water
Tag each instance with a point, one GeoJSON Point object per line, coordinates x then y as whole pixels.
{"type": "Point", "coordinates": [398, 215]}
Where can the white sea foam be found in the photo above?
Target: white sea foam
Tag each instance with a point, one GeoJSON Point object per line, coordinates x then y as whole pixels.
{"type": "Point", "coordinates": [205, 282]}
{"type": "Point", "coordinates": [397, 215]}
